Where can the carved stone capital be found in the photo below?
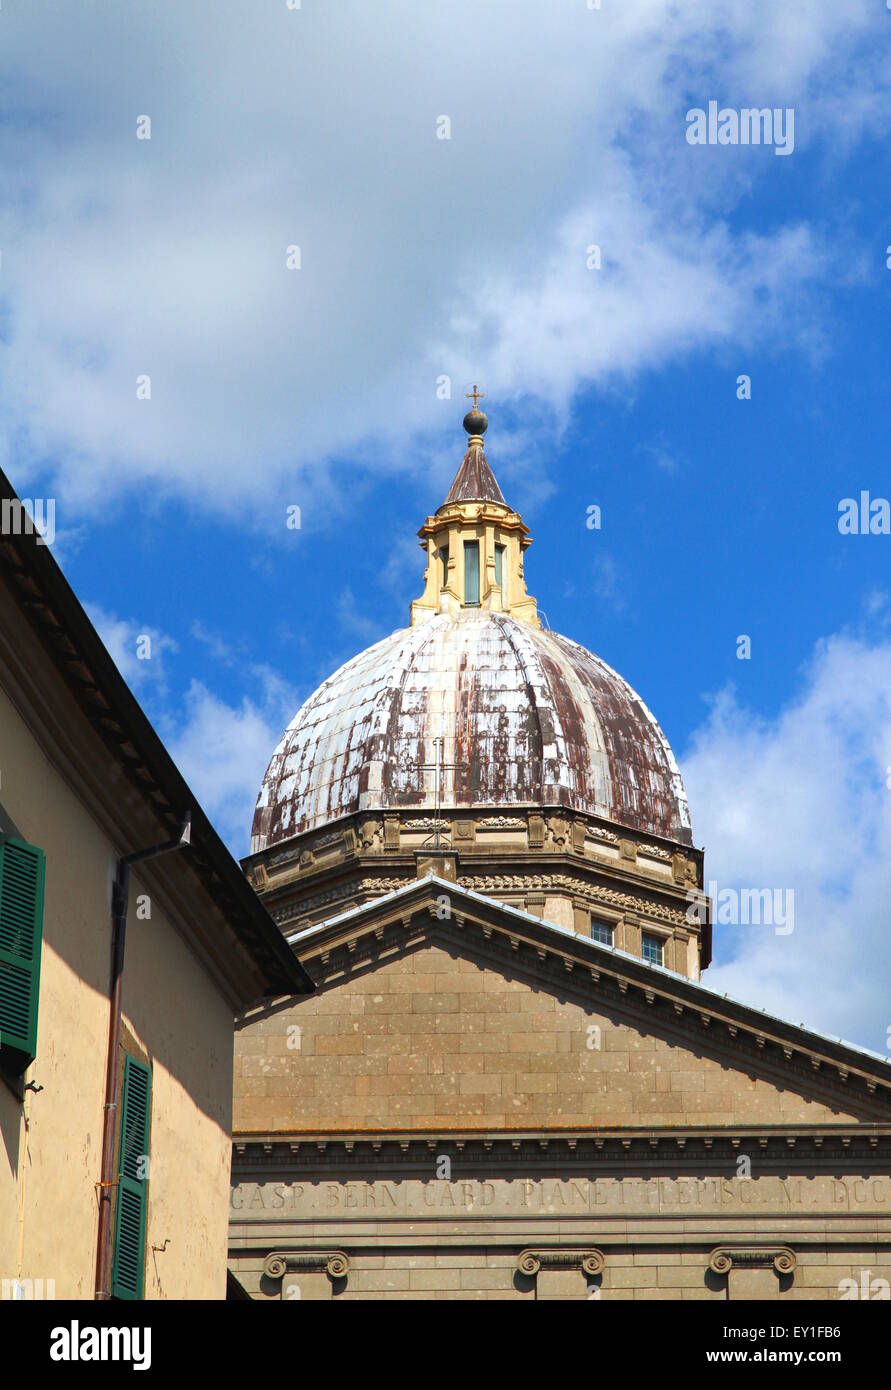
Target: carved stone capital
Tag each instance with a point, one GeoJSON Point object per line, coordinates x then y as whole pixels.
{"type": "Point", "coordinates": [278, 1263]}
{"type": "Point", "coordinates": [588, 1260]}
{"type": "Point", "coordinates": [727, 1257]}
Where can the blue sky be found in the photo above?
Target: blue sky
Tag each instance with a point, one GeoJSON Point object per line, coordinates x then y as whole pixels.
{"type": "Point", "coordinates": [467, 257]}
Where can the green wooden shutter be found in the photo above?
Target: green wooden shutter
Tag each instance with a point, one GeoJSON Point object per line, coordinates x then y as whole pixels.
{"type": "Point", "coordinates": [22, 872]}
{"type": "Point", "coordinates": [129, 1228]}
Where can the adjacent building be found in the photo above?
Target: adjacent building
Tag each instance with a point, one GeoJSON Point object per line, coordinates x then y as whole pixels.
{"type": "Point", "coordinates": [120, 975]}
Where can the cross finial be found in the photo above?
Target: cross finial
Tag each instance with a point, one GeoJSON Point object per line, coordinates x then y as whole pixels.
{"type": "Point", "coordinates": [475, 395]}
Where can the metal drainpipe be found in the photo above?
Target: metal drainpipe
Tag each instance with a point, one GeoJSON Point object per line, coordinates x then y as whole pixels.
{"type": "Point", "coordinates": [120, 904]}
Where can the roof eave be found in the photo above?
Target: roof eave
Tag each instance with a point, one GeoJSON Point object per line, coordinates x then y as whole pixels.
{"type": "Point", "coordinates": [53, 611]}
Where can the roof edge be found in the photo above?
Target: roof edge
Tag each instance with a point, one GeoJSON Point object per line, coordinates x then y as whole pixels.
{"type": "Point", "coordinates": [55, 608]}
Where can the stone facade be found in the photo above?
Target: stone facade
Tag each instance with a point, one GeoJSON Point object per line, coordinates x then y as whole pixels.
{"type": "Point", "coordinates": [85, 781]}
{"type": "Point", "coordinates": [476, 1104]}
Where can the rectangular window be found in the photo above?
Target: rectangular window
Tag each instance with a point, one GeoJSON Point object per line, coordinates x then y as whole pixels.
{"type": "Point", "coordinates": [472, 574]}
{"type": "Point", "coordinates": [499, 569]}
{"type": "Point", "coordinates": [444, 561]}
{"type": "Point", "coordinates": [22, 873]}
{"type": "Point", "coordinates": [651, 948]}
{"type": "Point", "coordinates": [602, 932]}
{"type": "Point", "coordinates": [128, 1261]}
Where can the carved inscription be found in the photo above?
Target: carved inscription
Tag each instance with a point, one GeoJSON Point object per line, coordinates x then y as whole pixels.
{"type": "Point", "coordinates": [547, 1195]}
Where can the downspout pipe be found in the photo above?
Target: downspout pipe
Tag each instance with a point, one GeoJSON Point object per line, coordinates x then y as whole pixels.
{"type": "Point", "coordinates": [120, 905]}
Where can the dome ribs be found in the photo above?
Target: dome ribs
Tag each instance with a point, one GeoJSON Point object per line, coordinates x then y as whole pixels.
{"type": "Point", "coordinates": [468, 754]}
{"type": "Point", "coordinates": [403, 712]}
{"type": "Point", "coordinates": [526, 717]}
{"type": "Point", "coordinates": [529, 782]}
{"type": "Point", "coordinates": [647, 790]}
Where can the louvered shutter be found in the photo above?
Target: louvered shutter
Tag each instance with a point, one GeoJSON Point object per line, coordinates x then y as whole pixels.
{"type": "Point", "coordinates": [129, 1231]}
{"type": "Point", "coordinates": [22, 871]}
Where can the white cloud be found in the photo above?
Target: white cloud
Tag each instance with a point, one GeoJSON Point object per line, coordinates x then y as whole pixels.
{"type": "Point", "coordinates": [802, 802]}
{"type": "Point", "coordinates": [317, 127]}
{"type": "Point", "coordinates": [219, 649]}
{"type": "Point", "coordinates": [138, 650]}
{"type": "Point", "coordinates": [356, 623]}
{"type": "Point", "coordinates": [223, 750]}
{"type": "Point", "coordinates": [607, 583]}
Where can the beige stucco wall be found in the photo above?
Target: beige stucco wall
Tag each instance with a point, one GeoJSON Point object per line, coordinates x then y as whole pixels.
{"type": "Point", "coordinates": [48, 1209]}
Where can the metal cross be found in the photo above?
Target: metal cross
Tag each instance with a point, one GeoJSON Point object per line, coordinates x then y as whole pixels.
{"type": "Point", "coordinates": [477, 395]}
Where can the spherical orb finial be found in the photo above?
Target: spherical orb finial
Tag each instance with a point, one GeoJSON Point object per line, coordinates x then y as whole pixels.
{"type": "Point", "coordinates": [475, 422]}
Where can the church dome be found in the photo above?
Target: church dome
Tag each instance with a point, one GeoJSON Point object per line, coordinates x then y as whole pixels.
{"type": "Point", "coordinates": [527, 718]}
{"type": "Point", "coordinates": [474, 705]}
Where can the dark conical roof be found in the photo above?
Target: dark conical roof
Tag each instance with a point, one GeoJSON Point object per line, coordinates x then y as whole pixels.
{"type": "Point", "coordinates": [474, 481]}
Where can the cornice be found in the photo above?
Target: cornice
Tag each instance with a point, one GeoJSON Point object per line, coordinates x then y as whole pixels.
{"type": "Point", "coordinates": [369, 876]}
{"type": "Point", "coordinates": [711, 1150]}
{"type": "Point", "coordinates": [597, 828]}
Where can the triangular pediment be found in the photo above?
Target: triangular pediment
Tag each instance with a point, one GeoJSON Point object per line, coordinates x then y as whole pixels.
{"type": "Point", "coordinates": [437, 1008]}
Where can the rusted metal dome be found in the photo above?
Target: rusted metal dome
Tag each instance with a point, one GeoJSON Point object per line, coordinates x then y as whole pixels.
{"type": "Point", "coordinates": [526, 717]}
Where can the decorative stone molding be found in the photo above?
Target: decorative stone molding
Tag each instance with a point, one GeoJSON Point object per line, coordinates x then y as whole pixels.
{"type": "Point", "coordinates": [502, 823]}
{"type": "Point", "coordinates": [278, 1263]}
{"type": "Point", "coordinates": [589, 1261]}
{"type": "Point", "coordinates": [369, 834]}
{"type": "Point", "coordinates": [326, 841]}
{"type": "Point", "coordinates": [727, 1257]}
{"type": "Point", "coordinates": [371, 887]}
{"type": "Point", "coordinates": [276, 861]}
{"type": "Point", "coordinates": [491, 885]}
{"type": "Point", "coordinates": [654, 852]}
{"type": "Point", "coordinates": [558, 831]}
{"type": "Point", "coordinates": [706, 1151]}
